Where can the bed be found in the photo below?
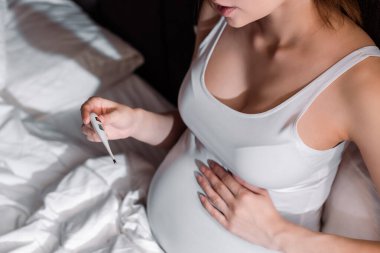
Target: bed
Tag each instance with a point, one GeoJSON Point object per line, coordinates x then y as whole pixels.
{"type": "Point", "coordinates": [61, 193]}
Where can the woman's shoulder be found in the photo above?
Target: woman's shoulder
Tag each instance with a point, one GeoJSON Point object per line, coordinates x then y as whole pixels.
{"type": "Point", "coordinates": [365, 75]}
{"type": "Point", "coordinates": [361, 89]}
{"type": "Point", "coordinates": [362, 102]}
{"type": "Point", "coordinates": [207, 19]}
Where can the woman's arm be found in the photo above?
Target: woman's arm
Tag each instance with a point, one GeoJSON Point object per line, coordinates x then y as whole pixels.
{"type": "Point", "coordinates": [121, 121]}
{"type": "Point", "coordinates": [162, 130]}
{"type": "Point", "coordinates": [295, 239]}
{"type": "Point", "coordinates": [362, 98]}
{"type": "Point", "coordinates": [363, 103]}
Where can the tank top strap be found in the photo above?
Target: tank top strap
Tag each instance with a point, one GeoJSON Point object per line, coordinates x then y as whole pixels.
{"type": "Point", "coordinates": [213, 35]}
{"type": "Point", "coordinates": [370, 51]}
{"type": "Point", "coordinates": [323, 81]}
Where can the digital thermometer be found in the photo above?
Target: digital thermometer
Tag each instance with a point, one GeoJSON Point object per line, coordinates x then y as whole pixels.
{"type": "Point", "coordinates": [98, 127]}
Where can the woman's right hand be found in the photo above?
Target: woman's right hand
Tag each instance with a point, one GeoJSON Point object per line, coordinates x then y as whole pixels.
{"type": "Point", "coordinates": [117, 119]}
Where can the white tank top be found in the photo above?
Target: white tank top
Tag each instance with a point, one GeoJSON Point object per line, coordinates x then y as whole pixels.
{"type": "Point", "coordinates": [264, 149]}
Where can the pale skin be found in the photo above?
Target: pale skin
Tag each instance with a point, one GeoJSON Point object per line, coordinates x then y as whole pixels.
{"type": "Point", "coordinates": [265, 53]}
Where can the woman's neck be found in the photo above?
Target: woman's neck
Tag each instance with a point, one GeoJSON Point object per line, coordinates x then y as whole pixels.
{"type": "Point", "coordinates": [292, 24]}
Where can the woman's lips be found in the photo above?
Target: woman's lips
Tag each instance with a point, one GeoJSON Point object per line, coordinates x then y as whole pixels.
{"type": "Point", "coordinates": [225, 10]}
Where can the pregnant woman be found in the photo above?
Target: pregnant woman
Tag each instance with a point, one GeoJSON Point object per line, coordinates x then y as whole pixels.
{"type": "Point", "coordinates": [275, 91]}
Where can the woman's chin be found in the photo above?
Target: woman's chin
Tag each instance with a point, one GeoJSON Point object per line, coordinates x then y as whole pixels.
{"type": "Point", "coordinates": [235, 23]}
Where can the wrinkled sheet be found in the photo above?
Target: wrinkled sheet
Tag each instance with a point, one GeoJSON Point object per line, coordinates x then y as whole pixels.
{"type": "Point", "coordinates": [61, 193]}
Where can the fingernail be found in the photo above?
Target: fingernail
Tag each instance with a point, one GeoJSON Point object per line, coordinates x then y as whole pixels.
{"type": "Point", "coordinates": [211, 163]}
{"type": "Point", "coordinates": [201, 196]}
{"type": "Point", "coordinates": [197, 175]}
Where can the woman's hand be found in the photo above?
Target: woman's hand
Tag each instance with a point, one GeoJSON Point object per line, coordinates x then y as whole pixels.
{"type": "Point", "coordinates": [117, 119]}
{"type": "Point", "coordinates": [242, 209]}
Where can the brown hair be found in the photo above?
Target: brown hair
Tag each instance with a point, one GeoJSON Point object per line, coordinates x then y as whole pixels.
{"type": "Point", "coordinates": [349, 8]}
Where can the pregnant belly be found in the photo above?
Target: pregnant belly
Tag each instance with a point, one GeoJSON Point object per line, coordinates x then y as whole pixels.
{"type": "Point", "coordinates": [177, 219]}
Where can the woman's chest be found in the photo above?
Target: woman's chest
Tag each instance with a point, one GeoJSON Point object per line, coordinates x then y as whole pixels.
{"type": "Point", "coordinates": [251, 82]}
{"type": "Point", "coordinates": [251, 79]}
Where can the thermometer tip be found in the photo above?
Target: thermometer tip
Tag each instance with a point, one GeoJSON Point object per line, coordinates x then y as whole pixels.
{"type": "Point", "coordinates": [114, 161]}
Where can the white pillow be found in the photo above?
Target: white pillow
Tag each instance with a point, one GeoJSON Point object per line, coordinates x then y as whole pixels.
{"type": "Point", "coordinates": [2, 42]}
{"type": "Point", "coordinates": [353, 207]}
{"type": "Point", "coordinates": [58, 57]}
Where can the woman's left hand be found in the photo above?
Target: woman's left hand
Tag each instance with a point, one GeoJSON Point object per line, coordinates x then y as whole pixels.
{"type": "Point", "coordinates": [242, 209]}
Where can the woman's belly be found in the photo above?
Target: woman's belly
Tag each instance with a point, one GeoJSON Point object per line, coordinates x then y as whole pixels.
{"type": "Point", "coordinates": [178, 220]}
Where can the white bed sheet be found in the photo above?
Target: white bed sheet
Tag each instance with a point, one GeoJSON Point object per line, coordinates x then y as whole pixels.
{"type": "Point", "coordinates": [3, 12]}
{"type": "Point", "coordinates": [58, 191]}
{"type": "Point", "coordinates": [61, 193]}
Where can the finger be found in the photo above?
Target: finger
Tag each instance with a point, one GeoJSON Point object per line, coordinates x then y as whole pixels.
{"type": "Point", "coordinates": [250, 187]}
{"type": "Point", "coordinates": [86, 131]}
{"type": "Point", "coordinates": [226, 177]}
{"type": "Point", "coordinates": [213, 196]}
{"type": "Point", "coordinates": [87, 107]}
{"type": "Point", "coordinates": [109, 117]}
{"type": "Point", "coordinates": [212, 210]}
{"type": "Point", "coordinates": [97, 105]}
{"type": "Point", "coordinates": [90, 134]}
{"type": "Point", "coordinates": [217, 185]}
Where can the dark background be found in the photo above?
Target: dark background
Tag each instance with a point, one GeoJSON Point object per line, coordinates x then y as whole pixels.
{"type": "Point", "coordinates": [162, 30]}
